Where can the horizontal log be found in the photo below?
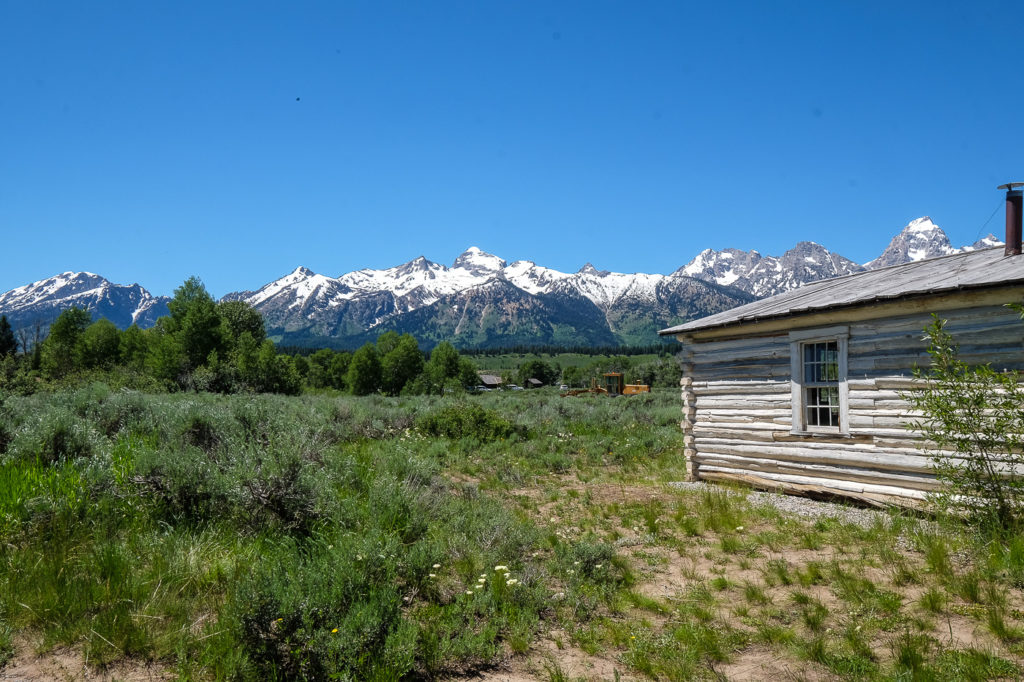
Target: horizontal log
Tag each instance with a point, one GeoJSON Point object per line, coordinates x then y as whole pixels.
{"type": "Point", "coordinates": [703, 432]}
{"type": "Point", "coordinates": [827, 485]}
{"type": "Point", "coordinates": [915, 480]}
{"type": "Point", "coordinates": [752, 388]}
{"type": "Point", "coordinates": [774, 411]}
{"type": "Point", "coordinates": [878, 461]}
{"type": "Point", "coordinates": [821, 452]}
{"type": "Point", "coordinates": [788, 487]}
{"type": "Point", "coordinates": [900, 443]}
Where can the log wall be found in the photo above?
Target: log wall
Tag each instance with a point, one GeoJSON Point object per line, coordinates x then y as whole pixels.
{"type": "Point", "coordinates": [737, 407]}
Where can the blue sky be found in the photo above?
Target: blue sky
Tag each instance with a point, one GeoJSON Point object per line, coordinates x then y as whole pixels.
{"type": "Point", "coordinates": [150, 141]}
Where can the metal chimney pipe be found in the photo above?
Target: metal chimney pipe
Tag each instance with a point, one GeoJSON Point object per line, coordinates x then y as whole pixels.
{"type": "Point", "coordinates": [1014, 196]}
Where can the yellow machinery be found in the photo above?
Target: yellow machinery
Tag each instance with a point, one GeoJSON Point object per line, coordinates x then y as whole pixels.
{"type": "Point", "coordinates": [614, 384]}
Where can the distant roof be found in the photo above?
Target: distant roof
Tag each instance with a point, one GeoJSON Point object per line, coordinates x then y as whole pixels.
{"type": "Point", "coordinates": [490, 378]}
{"type": "Point", "coordinates": [971, 270]}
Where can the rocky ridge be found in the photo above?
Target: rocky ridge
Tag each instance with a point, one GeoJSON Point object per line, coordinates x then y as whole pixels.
{"type": "Point", "coordinates": [483, 301]}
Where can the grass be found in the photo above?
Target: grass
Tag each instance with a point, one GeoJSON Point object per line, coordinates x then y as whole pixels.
{"type": "Point", "coordinates": [254, 537]}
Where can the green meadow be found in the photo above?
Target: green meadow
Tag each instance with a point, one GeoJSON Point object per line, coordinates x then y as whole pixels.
{"type": "Point", "coordinates": [438, 537]}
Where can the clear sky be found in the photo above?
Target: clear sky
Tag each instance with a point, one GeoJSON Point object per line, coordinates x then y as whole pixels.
{"type": "Point", "coordinates": [150, 141]}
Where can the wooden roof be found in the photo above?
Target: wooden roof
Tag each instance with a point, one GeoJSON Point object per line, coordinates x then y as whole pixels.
{"type": "Point", "coordinates": [961, 271]}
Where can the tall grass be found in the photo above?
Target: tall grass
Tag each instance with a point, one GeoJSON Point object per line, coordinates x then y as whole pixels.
{"type": "Point", "coordinates": [262, 536]}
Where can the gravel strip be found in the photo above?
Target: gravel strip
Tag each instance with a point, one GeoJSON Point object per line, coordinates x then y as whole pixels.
{"type": "Point", "coordinates": [801, 506]}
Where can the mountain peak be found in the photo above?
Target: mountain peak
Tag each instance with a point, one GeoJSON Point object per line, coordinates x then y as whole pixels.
{"type": "Point", "coordinates": [985, 242]}
{"type": "Point", "coordinates": [923, 224]}
{"type": "Point", "coordinates": [302, 271]}
{"type": "Point", "coordinates": [478, 262]}
{"type": "Point", "coordinates": [43, 301]}
{"type": "Point", "coordinates": [417, 264]}
{"type": "Point", "coordinates": [920, 239]}
{"type": "Point", "coordinates": [589, 269]}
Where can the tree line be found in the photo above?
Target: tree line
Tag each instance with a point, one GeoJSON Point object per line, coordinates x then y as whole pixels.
{"type": "Point", "coordinates": [205, 345]}
{"type": "Point", "coordinates": [663, 371]}
{"type": "Point", "coordinates": [521, 349]}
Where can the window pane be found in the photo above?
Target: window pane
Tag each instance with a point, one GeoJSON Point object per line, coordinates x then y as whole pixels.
{"type": "Point", "coordinates": [821, 383]}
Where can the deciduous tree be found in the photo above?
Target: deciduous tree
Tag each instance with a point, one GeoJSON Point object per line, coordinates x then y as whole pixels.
{"type": "Point", "coordinates": [62, 349]}
{"type": "Point", "coordinates": [402, 364]}
{"type": "Point", "coordinates": [975, 420]}
{"type": "Point", "coordinates": [364, 371]}
{"type": "Point", "coordinates": [101, 345]}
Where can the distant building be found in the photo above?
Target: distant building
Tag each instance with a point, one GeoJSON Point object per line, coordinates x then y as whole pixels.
{"type": "Point", "coordinates": [490, 380]}
{"type": "Point", "coordinates": [801, 392]}
{"type": "Point", "coordinates": [534, 383]}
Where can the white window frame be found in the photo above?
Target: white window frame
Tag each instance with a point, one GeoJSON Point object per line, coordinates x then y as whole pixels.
{"type": "Point", "coordinates": [797, 340]}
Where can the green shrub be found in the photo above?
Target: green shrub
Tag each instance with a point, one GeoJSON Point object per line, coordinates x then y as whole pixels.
{"type": "Point", "coordinates": [54, 436]}
{"type": "Point", "coordinates": [974, 420]}
{"type": "Point", "coordinates": [468, 421]}
{"type": "Point", "coordinates": [200, 431]}
{"type": "Point", "coordinates": [183, 486]}
{"type": "Point", "coordinates": [123, 411]}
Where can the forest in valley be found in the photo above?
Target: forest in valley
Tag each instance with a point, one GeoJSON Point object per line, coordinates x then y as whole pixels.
{"type": "Point", "coordinates": [222, 347]}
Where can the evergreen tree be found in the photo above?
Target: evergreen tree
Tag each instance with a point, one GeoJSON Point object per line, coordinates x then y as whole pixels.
{"type": "Point", "coordinates": [8, 344]}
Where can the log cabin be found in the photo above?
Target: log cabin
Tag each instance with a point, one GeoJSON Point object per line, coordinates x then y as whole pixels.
{"type": "Point", "coordinates": [803, 392]}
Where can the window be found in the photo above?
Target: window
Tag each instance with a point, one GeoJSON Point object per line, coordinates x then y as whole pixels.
{"type": "Point", "coordinates": [821, 383]}
{"type": "Point", "coordinates": [819, 380]}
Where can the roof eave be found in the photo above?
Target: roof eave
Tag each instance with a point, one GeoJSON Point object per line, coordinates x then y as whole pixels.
{"type": "Point", "coordinates": [738, 325]}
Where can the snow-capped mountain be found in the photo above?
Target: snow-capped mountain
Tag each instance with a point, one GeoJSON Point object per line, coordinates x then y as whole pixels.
{"type": "Point", "coordinates": [919, 240]}
{"type": "Point", "coordinates": [767, 275]}
{"type": "Point", "coordinates": [41, 302]}
{"type": "Point", "coordinates": [922, 239]}
{"type": "Point", "coordinates": [483, 301]}
{"type": "Point", "coordinates": [808, 262]}
{"type": "Point", "coordinates": [363, 302]}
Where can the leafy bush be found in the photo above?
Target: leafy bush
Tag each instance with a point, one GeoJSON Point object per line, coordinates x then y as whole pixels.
{"type": "Point", "coordinates": [52, 437]}
{"type": "Point", "coordinates": [468, 421]}
{"type": "Point", "coordinates": [124, 411]}
{"type": "Point", "coordinates": [975, 420]}
{"type": "Point", "coordinates": [334, 613]}
{"type": "Point", "coordinates": [282, 494]}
